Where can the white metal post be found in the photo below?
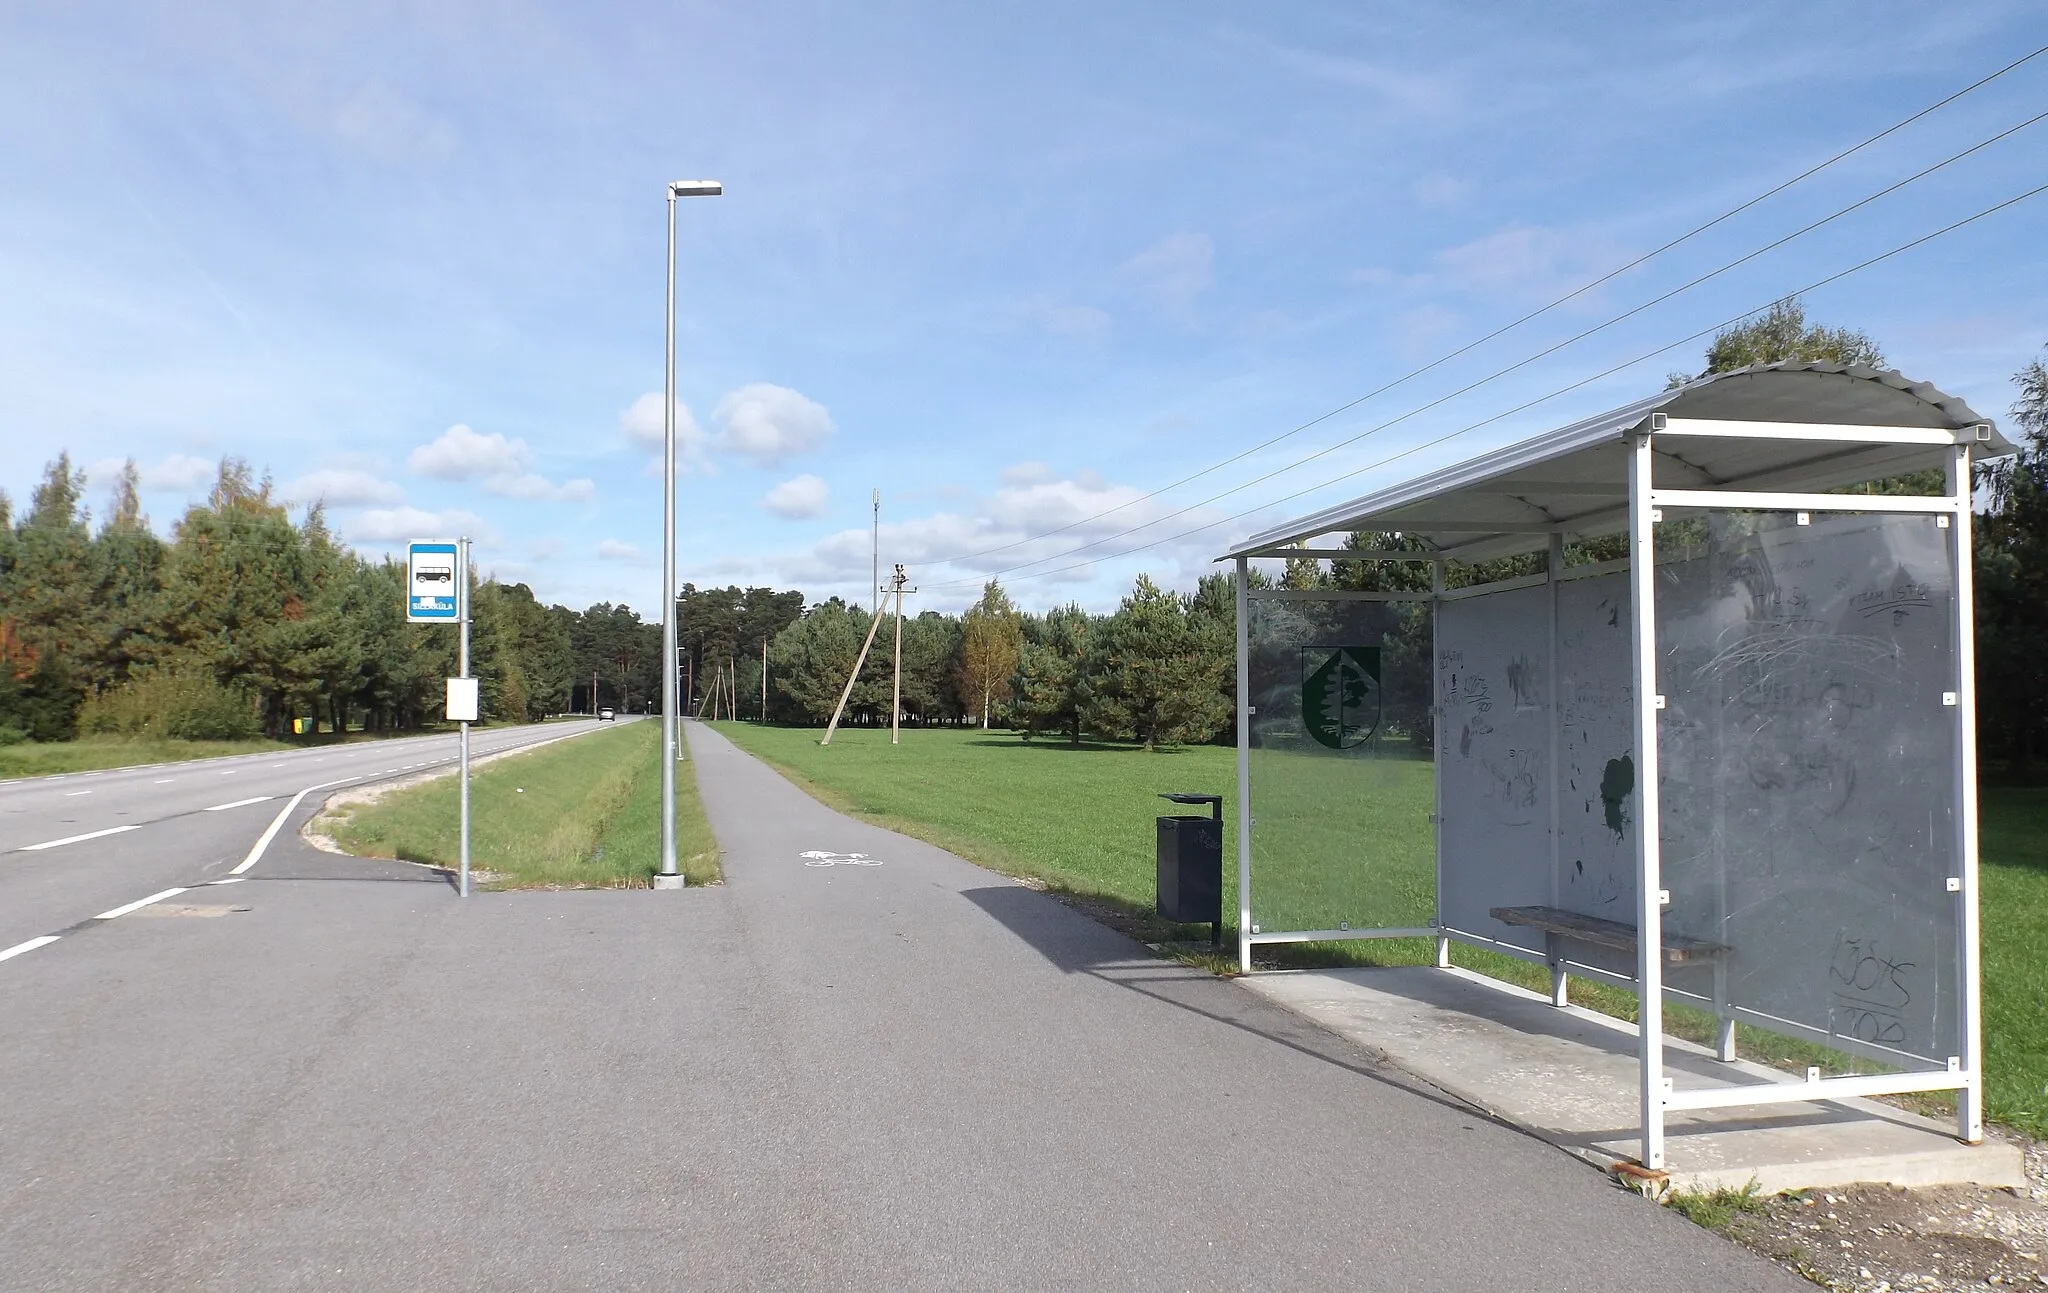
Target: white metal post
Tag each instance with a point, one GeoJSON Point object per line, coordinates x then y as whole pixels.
{"type": "Point", "coordinates": [1436, 756]}
{"type": "Point", "coordinates": [1649, 869]}
{"type": "Point", "coordinates": [668, 559]}
{"type": "Point", "coordinates": [1969, 1100]}
{"type": "Point", "coordinates": [1245, 711]}
{"type": "Point", "coordinates": [1560, 987]}
{"type": "Point", "coordinates": [462, 669]}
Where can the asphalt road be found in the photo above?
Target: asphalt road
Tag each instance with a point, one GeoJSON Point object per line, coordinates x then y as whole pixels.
{"type": "Point", "coordinates": [75, 845]}
{"type": "Point", "coordinates": [888, 1071]}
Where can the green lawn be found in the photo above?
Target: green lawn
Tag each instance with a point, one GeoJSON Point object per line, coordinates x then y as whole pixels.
{"type": "Point", "coordinates": [94, 753]}
{"type": "Point", "coordinates": [1080, 820]}
{"type": "Point", "coordinates": [581, 813]}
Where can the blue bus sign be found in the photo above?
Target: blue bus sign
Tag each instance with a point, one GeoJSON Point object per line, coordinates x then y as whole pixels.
{"type": "Point", "coordinates": [434, 580]}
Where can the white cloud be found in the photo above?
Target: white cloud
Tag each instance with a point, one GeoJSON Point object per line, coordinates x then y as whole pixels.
{"type": "Point", "coordinates": [344, 487]}
{"type": "Point", "coordinates": [951, 552]}
{"type": "Point", "coordinates": [503, 466]}
{"type": "Point", "coordinates": [402, 524]}
{"type": "Point", "coordinates": [1174, 271]}
{"type": "Point", "coordinates": [640, 422]}
{"type": "Point", "coordinates": [798, 498]}
{"type": "Point", "coordinates": [767, 423]}
{"type": "Point", "coordinates": [463, 454]}
{"type": "Point", "coordinates": [613, 550]}
{"type": "Point", "coordinates": [180, 471]}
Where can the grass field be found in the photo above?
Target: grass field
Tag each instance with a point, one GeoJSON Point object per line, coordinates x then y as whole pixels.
{"type": "Point", "coordinates": [583, 813]}
{"type": "Point", "coordinates": [1080, 820]}
{"type": "Point", "coordinates": [95, 753]}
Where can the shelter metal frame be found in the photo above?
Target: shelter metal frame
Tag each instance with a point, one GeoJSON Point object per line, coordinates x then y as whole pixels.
{"type": "Point", "coordinates": [1627, 492]}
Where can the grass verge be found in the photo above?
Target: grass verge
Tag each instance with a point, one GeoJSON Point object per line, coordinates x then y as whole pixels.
{"type": "Point", "coordinates": [1079, 822]}
{"type": "Point", "coordinates": [99, 753]}
{"type": "Point", "coordinates": [583, 813]}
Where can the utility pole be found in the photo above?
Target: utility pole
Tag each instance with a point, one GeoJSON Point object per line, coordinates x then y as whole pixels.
{"type": "Point", "coordinates": [873, 624]}
{"type": "Point", "coordinates": [875, 555]}
{"type": "Point", "coordinates": [732, 692]}
{"type": "Point", "coordinates": [896, 686]}
{"type": "Point", "coordinates": [764, 682]}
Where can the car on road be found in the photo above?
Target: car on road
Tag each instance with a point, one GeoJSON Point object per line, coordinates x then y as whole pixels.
{"type": "Point", "coordinates": [606, 715]}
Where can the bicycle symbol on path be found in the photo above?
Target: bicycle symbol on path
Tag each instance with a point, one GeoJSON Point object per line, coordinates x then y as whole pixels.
{"type": "Point", "coordinates": [821, 857]}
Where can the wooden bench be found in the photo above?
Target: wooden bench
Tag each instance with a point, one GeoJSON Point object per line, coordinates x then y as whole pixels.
{"type": "Point", "coordinates": [1558, 923]}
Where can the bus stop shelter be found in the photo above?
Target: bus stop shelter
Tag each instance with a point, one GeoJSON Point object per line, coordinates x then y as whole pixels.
{"type": "Point", "coordinates": [1732, 767]}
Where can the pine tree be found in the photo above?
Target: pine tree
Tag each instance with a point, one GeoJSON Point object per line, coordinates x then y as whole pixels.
{"type": "Point", "coordinates": [1052, 675]}
{"type": "Point", "coordinates": [1160, 674]}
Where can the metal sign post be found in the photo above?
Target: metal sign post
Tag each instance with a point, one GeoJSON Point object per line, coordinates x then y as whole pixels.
{"type": "Point", "coordinates": [437, 592]}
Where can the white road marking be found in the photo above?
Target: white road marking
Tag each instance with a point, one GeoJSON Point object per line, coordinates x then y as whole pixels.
{"type": "Point", "coordinates": [29, 946]}
{"type": "Point", "coordinates": [233, 879]}
{"type": "Point", "coordinates": [240, 803]}
{"type": "Point", "coordinates": [73, 794]}
{"type": "Point", "coordinates": [277, 823]}
{"type": "Point", "coordinates": [140, 902]}
{"type": "Point", "coordinates": [230, 772]}
{"type": "Point", "coordinates": [165, 781]}
{"type": "Point", "coordinates": [78, 839]}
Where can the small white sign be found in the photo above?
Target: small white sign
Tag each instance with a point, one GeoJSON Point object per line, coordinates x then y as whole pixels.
{"type": "Point", "coordinates": [462, 700]}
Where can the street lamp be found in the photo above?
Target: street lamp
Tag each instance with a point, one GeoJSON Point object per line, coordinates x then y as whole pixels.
{"type": "Point", "coordinates": [669, 877]}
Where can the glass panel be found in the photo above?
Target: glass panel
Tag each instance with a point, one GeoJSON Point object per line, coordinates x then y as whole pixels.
{"type": "Point", "coordinates": [1341, 782]}
{"type": "Point", "coordinates": [1493, 683]}
{"type": "Point", "coordinates": [1807, 769]}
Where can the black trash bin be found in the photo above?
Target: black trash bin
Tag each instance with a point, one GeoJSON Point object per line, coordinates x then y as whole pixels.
{"type": "Point", "coordinates": [1189, 882]}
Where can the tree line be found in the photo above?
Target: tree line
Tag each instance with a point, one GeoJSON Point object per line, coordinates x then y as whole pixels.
{"type": "Point", "coordinates": [245, 621]}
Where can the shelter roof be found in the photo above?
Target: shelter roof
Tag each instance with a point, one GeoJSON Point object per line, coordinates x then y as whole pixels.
{"type": "Point", "coordinates": [1575, 478]}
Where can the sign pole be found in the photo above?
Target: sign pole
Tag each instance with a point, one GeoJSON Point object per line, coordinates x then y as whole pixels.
{"type": "Point", "coordinates": [462, 669]}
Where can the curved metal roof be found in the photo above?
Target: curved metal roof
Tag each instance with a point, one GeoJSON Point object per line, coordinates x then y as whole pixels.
{"type": "Point", "coordinates": [1576, 477]}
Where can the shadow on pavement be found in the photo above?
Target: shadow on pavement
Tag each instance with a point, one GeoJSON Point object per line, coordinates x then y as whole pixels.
{"type": "Point", "coordinates": [1077, 945]}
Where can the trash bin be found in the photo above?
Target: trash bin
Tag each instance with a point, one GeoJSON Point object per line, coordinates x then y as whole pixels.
{"type": "Point", "coordinates": [1189, 880]}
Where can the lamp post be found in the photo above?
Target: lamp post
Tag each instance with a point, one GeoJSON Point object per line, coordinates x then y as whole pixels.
{"type": "Point", "coordinates": [669, 877]}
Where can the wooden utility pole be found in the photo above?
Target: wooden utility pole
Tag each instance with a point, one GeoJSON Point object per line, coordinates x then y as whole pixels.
{"type": "Point", "coordinates": [896, 685]}
{"type": "Point", "coordinates": [860, 660]}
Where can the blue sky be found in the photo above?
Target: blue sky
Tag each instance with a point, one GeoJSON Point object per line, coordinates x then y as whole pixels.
{"type": "Point", "coordinates": [1012, 265]}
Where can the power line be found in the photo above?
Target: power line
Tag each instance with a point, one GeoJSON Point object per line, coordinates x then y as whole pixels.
{"type": "Point", "coordinates": [1563, 390]}
{"type": "Point", "coordinates": [1530, 359]}
{"type": "Point", "coordinates": [1508, 327]}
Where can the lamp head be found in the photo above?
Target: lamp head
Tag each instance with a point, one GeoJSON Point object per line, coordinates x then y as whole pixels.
{"type": "Point", "coordinates": [695, 188]}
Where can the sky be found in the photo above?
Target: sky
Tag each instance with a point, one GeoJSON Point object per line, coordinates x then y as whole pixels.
{"type": "Point", "coordinates": [1017, 267]}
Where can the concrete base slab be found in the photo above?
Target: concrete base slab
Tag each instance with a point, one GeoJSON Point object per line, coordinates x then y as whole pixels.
{"type": "Point", "coordinates": [667, 882]}
{"type": "Point", "coordinates": [1569, 1075]}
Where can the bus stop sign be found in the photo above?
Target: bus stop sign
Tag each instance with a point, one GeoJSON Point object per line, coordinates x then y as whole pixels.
{"type": "Point", "coordinates": [434, 579]}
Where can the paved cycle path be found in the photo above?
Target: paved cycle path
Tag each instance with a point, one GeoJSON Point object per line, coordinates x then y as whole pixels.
{"type": "Point", "coordinates": [913, 1075]}
{"type": "Point", "coordinates": [1020, 1097]}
